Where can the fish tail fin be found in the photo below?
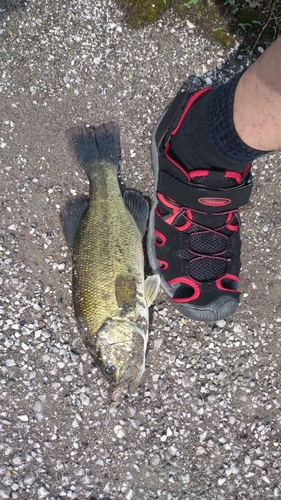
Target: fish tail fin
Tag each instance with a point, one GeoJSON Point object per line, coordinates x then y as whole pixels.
{"type": "Point", "coordinates": [94, 144]}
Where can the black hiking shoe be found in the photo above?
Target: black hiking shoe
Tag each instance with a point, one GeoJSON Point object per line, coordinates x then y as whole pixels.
{"type": "Point", "coordinates": [193, 238]}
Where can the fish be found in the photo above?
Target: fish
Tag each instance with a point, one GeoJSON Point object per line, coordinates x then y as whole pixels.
{"type": "Point", "coordinates": [111, 296]}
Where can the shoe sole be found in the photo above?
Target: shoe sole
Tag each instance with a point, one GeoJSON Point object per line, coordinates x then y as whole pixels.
{"type": "Point", "coordinates": [220, 308]}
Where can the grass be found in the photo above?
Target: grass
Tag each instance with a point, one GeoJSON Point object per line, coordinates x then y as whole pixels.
{"type": "Point", "coordinates": [257, 23]}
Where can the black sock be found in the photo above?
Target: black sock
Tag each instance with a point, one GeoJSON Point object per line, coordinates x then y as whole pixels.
{"type": "Point", "coordinates": [207, 137]}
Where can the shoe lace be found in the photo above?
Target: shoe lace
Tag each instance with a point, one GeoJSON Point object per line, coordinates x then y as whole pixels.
{"type": "Point", "coordinates": [204, 262]}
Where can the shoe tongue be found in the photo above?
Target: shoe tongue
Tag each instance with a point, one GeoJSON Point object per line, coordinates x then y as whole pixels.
{"type": "Point", "coordinates": [215, 179]}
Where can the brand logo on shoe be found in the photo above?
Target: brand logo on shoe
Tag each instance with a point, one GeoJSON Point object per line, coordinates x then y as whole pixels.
{"type": "Point", "coordinates": [214, 202]}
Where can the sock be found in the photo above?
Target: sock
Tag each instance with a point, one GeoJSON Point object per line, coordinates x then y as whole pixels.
{"type": "Point", "coordinates": [207, 138]}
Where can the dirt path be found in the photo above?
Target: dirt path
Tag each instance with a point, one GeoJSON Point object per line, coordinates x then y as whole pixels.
{"type": "Point", "coordinates": [206, 421]}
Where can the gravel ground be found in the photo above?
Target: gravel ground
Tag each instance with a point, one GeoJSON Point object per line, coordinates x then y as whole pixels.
{"type": "Point", "coordinates": [205, 423]}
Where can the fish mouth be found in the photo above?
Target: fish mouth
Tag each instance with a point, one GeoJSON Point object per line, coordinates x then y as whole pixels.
{"type": "Point", "coordinates": [128, 387]}
{"type": "Point", "coordinates": [118, 391]}
{"type": "Point", "coordinates": [127, 382]}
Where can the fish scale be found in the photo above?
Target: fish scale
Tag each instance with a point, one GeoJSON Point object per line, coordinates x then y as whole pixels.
{"type": "Point", "coordinates": [106, 215]}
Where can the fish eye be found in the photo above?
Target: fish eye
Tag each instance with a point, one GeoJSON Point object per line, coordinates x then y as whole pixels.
{"type": "Point", "coordinates": [110, 369]}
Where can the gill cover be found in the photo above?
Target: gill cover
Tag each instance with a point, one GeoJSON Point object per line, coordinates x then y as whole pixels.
{"type": "Point", "coordinates": [120, 351]}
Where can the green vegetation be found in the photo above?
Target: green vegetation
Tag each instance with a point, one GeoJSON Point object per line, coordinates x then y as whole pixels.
{"type": "Point", "coordinates": [256, 22]}
{"type": "Point", "coordinates": [139, 12]}
{"type": "Point", "coordinates": [195, 2]}
{"type": "Point", "coordinates": [222, 37]}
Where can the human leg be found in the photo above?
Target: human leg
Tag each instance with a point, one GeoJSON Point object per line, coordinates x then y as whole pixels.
{"type": "Point", "coordinates": [257, 102]}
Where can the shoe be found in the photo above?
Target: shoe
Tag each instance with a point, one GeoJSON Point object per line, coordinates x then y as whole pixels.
{"type": "Point", "coordinates": [193, 238]}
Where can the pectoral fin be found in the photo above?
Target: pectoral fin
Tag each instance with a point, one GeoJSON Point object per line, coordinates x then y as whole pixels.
{"type": "Point", "coordinates": [151, 288]}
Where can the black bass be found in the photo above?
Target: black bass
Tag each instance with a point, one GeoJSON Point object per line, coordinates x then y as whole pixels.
{"type": "Point", "coordinates": [111, 297]}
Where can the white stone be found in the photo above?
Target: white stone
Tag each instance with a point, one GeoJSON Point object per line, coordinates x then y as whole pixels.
{"type": "Point", "coordinates": [29, 478]}
{"type": "Point", "coordinates": [75, 423]}
{"type": "Point", "coordinates": [172, 450]}
{"type": "Point", "coordinates": [155, 460]}
{"type": "Point", "coordinates": [17, 460]}
{"type": "Point", "coordinates": [185, 478]}
{"type": "Point", "coordinates": [42, 492]}
{"type": "Point", "coordinates": [38, 406]}
{"type": "Point", "coordinates": [4, 493]}
{"type": "Point", "coordinates": [10, 362]}
{"type": "Point", "coordinates": [85, 400]}
{"type": "Point", "coordinates": [237, 328]}
{"type": "Point", "coordinates": [259, 463]}
{"type": "Point", "coordinates": [189, 24]}
{"type": "Point", "coordinates": [200, 450]}
{"type": "Point", "coordinates": [119, 431]}
{"type": "Point", "coordinates": [23, 418]}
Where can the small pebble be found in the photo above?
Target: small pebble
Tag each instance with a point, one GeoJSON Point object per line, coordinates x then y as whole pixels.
{"type": "Point", "coordinates": [23, 418]}
{"type": "Point", "coordinates": [221, 323]}
{"type": "Point", "coordinates": [42, 492]}
{"type": "Point", "coordinates": [29, 479]}
{"type": "Point", "coordinates": [4, 493]}
{"type": "Point", "coordinates": [119, 431]}
{"type": "Point", "coordinates": [155, 460]}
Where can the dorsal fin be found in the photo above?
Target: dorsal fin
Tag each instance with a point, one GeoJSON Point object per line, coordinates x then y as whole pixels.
{"type": "Point", "coordinates": [138, 207]}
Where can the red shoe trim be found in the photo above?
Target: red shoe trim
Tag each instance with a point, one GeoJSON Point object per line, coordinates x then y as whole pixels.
{"type": "Point", "coordinates": [158, 212]}
{"type": "Point", "coordinates": [229, 277]}
{"type": "Point", "coordinates": [161, 237]}
{"type": "Point", "coordinates": [164, 264]}
{"type": "Point", "coordinates": [246, 170]}
{"type": "Point", "coordinates": [228, 225]}
{"type": "Point", "coordinates": [184, 227]}
{"type": "Point", "coordinates": [176, 211]}
{"type": "Point", "coordinates": [175, 208]}
{"type": "Point", "coordinates": [188, 106]}
{"type": "Point", "coordinates": [187, 281]}
{"type": "Point", "coordinates": [198, 173]}
{"type": "Point", "coordinates": [189, 175]}
{"type": "Point", "coordinates": [234, 175]}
